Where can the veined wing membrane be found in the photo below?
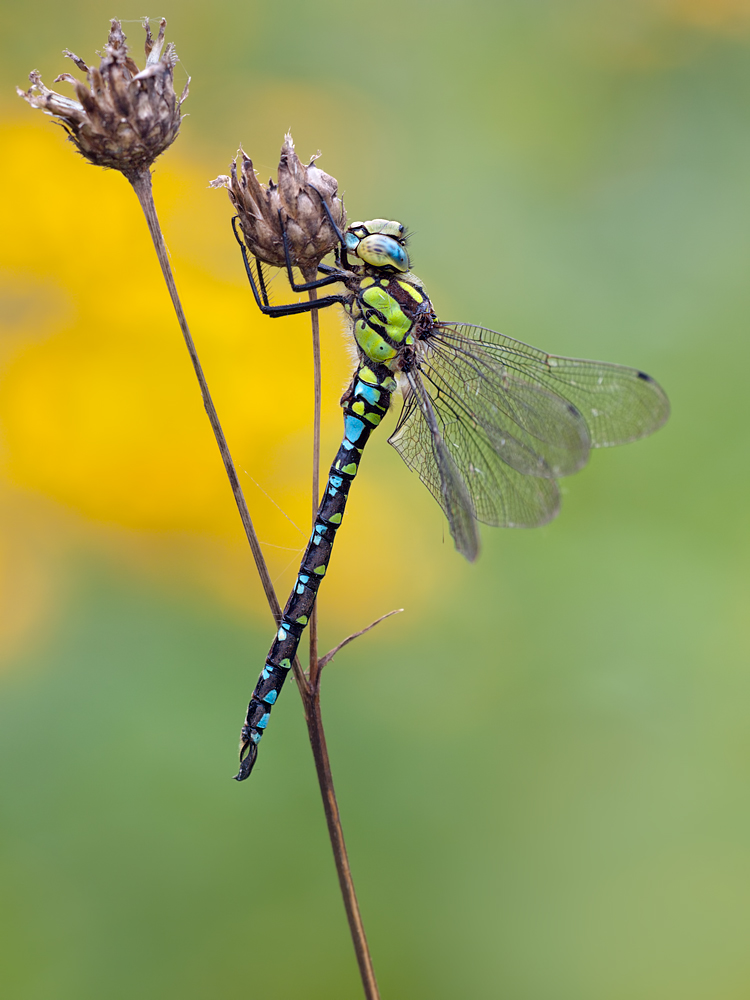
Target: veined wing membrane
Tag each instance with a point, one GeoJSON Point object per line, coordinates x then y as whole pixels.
{"type": "Point", "coordinates": [532, 428]}
{"type": "Point", "coordinates": [432, 422]}
{"type": "Point", "coordinates": [619, 404]}
{"type": "Point", "coordinates": [429, 454]}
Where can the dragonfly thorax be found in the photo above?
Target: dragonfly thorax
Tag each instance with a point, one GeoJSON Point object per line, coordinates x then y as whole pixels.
{"type": "Point", "coordinates": [389, 314]}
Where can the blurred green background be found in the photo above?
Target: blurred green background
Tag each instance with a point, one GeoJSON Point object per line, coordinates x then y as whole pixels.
{"type": "Point", "coordinates": [542, 765]}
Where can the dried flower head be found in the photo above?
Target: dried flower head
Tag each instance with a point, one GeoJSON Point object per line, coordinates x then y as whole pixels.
{"type": "Point", "coordinates": [298, 196]}
{"type": "Point", "coordinates": [125, 117]}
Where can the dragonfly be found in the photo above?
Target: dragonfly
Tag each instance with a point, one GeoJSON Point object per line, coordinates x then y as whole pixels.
{"type": "Point", "coordinates": [488, 423]}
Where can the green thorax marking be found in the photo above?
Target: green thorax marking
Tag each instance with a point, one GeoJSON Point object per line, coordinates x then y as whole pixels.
{"type": "Point", "coordinates": [383, 314]}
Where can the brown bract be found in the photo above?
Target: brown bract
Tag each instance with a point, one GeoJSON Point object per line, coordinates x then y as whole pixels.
{"type": "Point", "coordinates": [125, 117]}
{"type": "Point", "coordinates": [297, 199]}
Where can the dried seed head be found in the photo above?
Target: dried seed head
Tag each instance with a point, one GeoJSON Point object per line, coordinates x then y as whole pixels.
{"type": "Point", "coordinates": [126, 117]}
{"type": "Point", "coordinates": [299, 196]}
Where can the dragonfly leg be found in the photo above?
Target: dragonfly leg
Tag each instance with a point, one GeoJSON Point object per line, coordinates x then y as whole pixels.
{"type": "Point", "coordinates": [341, 255]}
{"type": "Point", "coordinates": [332, 274]}
{"type": "Point", "coordinates": [261, 295]}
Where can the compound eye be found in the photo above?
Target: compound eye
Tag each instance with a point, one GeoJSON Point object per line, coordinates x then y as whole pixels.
{"type": "Point", "coordinates": [383, 251]}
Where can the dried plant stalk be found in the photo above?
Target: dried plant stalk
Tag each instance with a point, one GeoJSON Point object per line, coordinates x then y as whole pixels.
{"type": "Point", "coordinates": [124, 119]}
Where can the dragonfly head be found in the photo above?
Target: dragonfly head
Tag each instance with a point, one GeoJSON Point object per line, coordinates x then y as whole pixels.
{"type": "Point", "coordinates": [379, 243]}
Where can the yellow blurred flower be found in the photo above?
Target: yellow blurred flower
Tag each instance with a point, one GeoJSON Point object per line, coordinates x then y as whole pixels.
{"type": "Point", "coordinates": [105, 441]}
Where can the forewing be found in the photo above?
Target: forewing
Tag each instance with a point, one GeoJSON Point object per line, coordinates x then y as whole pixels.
{"type": "Point", "coordinates": [618, 404]}
{"type": "Point", "coordinates": [531, 428]}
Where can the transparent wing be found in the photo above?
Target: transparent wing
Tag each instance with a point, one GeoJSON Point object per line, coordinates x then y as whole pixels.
{"type": "Point", "coordinates": [456, 460]}
{"type": "Point", "coordinates": [432, 456]}
{"type": "Point", "coordinates": [453, 496]}
{"type": "Point", "coordinates": [512, 419]}
{"type": "Point", "coordinates": [618, 404]}
{"type": "Point", "coordinates": [531, 428]}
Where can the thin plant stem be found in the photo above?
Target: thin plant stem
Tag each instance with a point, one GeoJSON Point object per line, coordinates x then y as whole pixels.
{"type": "Point", "coordinates": [336, 834]}
{"type": "Point", "coordinates": [141, 182]}
{"type": "Point", "coordinates": [325, 660]}
{"type": "Point", "coordinates": [317, 381]}
{"type": "Point", "coordinates": [314, 719]}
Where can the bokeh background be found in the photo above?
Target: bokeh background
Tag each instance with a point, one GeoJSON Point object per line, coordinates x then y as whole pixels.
{"type": "Point", "coordinates": [542, 764]}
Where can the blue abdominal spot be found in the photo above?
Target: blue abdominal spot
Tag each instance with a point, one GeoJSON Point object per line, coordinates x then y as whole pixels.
{"type": "Point", "coordinates": [353, 427]}
{"type": "Point", "coordinates": [369, 392]}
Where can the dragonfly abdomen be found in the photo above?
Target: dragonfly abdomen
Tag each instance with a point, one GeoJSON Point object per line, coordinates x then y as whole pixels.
{"type": "Point", "coordinates": [365, 404]}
